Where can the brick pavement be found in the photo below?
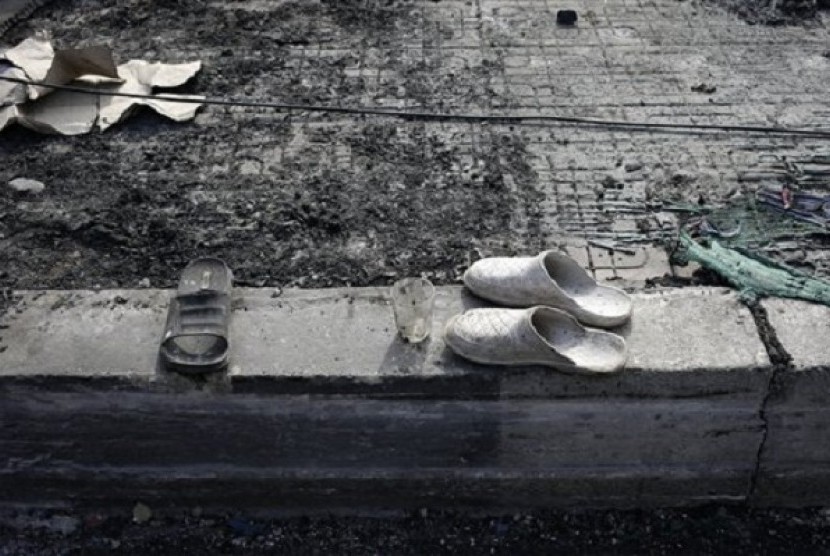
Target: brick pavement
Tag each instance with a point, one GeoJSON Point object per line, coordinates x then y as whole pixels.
{"type": "Point", "coordinates": [634, 60]}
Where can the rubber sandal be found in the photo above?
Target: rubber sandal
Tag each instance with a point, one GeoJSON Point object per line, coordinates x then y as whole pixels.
{"type": "Point", "coordinates": [196, 334]}
{"type": "Point", "coordinates": [535, 336]}
{"type": "Point", "coordinates": [552, 279]}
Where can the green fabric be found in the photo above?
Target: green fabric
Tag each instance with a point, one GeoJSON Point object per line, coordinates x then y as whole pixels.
{"type": "Point", "coordinates": [753, 275]}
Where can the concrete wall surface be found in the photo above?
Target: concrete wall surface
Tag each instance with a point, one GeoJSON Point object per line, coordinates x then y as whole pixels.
{"type": "Point", "coordinates": [323, 407]}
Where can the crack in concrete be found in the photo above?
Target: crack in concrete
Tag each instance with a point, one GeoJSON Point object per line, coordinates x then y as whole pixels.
{"type": "Point", "coordinates": [781, 362]}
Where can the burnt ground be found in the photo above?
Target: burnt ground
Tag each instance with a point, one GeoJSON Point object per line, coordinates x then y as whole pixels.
{"type": "Point", "coordinates": [135, 205]}
{"type": "Point", "coordinates": [709, 530]}
{"type": "Point", "coordinates": [316, 200]}
{"type": "Point", "coordinates": [776, 12]}
{"type": "Point", "coordinates": [398, 212]}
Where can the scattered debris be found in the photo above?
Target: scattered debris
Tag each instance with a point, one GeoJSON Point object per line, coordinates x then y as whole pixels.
{"type": "Point", "coordinates": [705, 226]}
{"type": "Point", "coordinates": [751, 226]}
{"type": "Point", "coordinates": [786, 196]}
{"type": "Point", "coordinates": [708, 228]}
{"type": "Point", "coordinates": [809, 207]}
{"type": "Point", "coordinates": [612, 247]}
{"type": "Point", "coordinates": [25, 185]}
{"type": "Point", "coordinates": [47, 110]}
{"type": "Point", "coordinates": [753, 275]}
{"type": "Point", "coordinates": [704, 88]}
{"type": "Point", "coordinates": [142, 513]}
{"type": "Point", "coordinates": [566, 17]}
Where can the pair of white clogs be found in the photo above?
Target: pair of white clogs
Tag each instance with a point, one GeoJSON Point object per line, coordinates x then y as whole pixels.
{"type": "Point", "coordinates": [557, 297]}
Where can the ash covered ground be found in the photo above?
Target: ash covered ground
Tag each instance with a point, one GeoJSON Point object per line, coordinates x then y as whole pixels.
{"type": "Point", "coordinates": [318, 200]}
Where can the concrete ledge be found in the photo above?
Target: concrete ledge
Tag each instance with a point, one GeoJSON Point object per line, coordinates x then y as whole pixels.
{"type": "Point", "coordinates": [323, 403]}
{"type": "Point", "coordinates": [684, 343]}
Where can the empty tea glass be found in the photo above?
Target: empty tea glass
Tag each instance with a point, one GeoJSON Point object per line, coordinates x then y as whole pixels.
{"type": "Point", "coordinates": [412, 301]}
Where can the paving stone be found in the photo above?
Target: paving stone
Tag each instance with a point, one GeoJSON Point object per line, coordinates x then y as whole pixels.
{"type": "Point", "coordinates": [581, 256]}
{"type": "Point", "coordinates": [601, 260]}
{"type": "Point", "coordinates": [647, 262]}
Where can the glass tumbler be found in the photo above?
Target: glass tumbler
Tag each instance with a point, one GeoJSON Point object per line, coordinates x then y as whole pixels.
{"type": "Point", "coordinates": [412, 301]}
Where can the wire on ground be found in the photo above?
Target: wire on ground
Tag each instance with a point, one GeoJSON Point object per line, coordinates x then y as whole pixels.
{"type": "Point", "coordinates": [447, 117]}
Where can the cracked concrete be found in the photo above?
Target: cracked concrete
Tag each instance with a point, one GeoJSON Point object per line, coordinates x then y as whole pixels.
{"type": "Point", "coordinates": [781, 361]}
{"type": "Point", "coordinates": [794, 463]}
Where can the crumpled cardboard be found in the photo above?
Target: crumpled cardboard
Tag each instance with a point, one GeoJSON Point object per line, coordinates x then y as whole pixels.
{"type": "Point", "coordinates": [47, 110]}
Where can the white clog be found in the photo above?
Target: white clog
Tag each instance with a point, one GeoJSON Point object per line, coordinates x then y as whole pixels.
{"type": "Point", "coordinates": [552, 279]}
{"type": "Point", "coordinates": [534, 336]}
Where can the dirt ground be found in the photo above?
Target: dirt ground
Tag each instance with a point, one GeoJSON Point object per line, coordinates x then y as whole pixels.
{"type": "Point", "coordinates": [709, 530]}
{"type": "Point", "coordinates": [300, 227]}
{"type": "Point", "coordinates": [288, 199]}
{"type": "Point", "coordinates": [131, 207]}
{"type": "Point", "coordinates": [776, 12]}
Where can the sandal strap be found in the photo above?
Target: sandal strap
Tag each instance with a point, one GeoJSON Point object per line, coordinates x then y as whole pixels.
{"type": "Point", "coordinates": [204, 313]}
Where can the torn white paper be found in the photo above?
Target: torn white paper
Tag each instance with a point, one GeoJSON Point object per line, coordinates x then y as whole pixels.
{"type": "Point", "coordinates": [41, 62]}
{"type": "Point", "coordinates": [141, 77]}
{"type": "Point", "coordinates": [11, 93]}
{"type": "Point", "coordinates": [63, 112]}
{"type": "Point", "coordinates": [71, 113]}
{"type": "Point", "coordinates": [34, 56]}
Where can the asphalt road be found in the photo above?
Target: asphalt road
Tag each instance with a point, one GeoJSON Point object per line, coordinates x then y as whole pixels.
{"type": "Point", "coordinates": [707, 530]}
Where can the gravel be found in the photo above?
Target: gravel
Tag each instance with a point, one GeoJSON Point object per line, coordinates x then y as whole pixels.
{"type": "Point", "coordinates": [706, 530]}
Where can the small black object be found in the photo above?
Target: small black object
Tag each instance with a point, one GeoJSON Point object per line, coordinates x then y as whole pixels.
{"type": "Point", "coordinates": [566, 17]}
{"type": "Point", "coordinates": [704, 88]}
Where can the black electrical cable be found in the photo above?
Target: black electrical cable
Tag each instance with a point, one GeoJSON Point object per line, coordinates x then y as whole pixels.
{"type": "Point", "coordinates": [405, 114]}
